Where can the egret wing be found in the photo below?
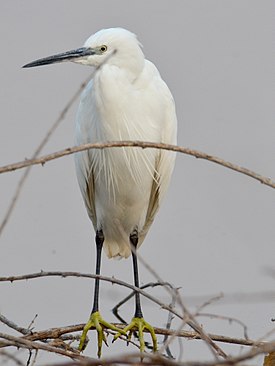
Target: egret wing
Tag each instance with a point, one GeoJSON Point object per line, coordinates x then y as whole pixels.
{"type": "Point", "coordinates": [86, 183]}
{"type": "Point", "coordinates": [153, 206]}
{"type": "Point", "coordinates": [164, 163]}
{"type": "Point", "coordinates": [84, 134]}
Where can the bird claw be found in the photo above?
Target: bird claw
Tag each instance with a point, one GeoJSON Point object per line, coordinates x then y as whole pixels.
{"type": "Point", "coordinates": [96, 321]}
{"type": "Point", "coordinates": [138, 324]}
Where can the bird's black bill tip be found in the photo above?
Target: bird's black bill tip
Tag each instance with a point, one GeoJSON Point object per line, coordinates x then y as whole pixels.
{"type": "Point", "coordinates": [48, 61]}
{"type": "Point", "coordinates": [62, 57]}
{"type": "Point", "coordinates": [31, 64]}
{"type": "Point", "coordinates": [37, 63]}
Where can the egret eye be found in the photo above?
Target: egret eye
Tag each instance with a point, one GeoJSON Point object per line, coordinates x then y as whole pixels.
{"type": "Point", "coordinates": [103, 48]}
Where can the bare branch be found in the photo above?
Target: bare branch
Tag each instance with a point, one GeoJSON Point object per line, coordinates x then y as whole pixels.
{"type": "Point", "coordinates": [102, 145]}
{"type": "Point", "coordinates": [21, 342]}
{"type": "Point", "coordinates": [91, 276]}
{"type": "Point", "coordinates": [147, 358]}
{"type": "Point", "coordinates": [33, 342]}
{"type": "Point", "coordinates": [57, 332]}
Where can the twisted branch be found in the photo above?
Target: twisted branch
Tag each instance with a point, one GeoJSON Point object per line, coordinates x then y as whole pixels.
{"type": "Point", "coordinates": [58, 332]}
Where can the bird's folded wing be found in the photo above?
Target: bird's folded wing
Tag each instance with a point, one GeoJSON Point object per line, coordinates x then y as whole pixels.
{"type": "Point", "coordinates": [163, 170]}
{"type": "Point", "coordinates": [152, 208]}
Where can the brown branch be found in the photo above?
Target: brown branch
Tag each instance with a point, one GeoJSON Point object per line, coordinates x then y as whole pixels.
{"type": "Point", "coordinates": [22, 342]}
{"type": "Point", "coordinates": [157, 359]}
{"type": "Point", "coordinates": [32, 342]}
{"type": "Point", "coordinates": [57, 332]}
{"type": "Point", "coordinates": [135, 359]}
{"type": "Point", "coordinates": [102, 145]}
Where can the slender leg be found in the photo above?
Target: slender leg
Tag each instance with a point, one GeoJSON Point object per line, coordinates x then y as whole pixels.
{"type": "Point", "coordinates": [95, 320]}
{"type": "Point", "coordinates": [138, 323]}
{"type": "Point", "coordinates": [99, 240]}
{"type": "Point", "coordinates": [134, 242]}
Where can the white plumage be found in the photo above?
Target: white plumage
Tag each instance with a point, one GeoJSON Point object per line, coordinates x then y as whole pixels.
{"type": "Point", "coordinates": [126, 100]}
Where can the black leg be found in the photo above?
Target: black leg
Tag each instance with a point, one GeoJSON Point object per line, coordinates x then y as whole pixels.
{"type": "Point", "coordinates": [138, 323]}
{"type": "Point", "coordinates": [134, 242]}
{"type": "Point", "coordinates": [95, 320]}
{"type": "Point", "coordinates": [99, 239]}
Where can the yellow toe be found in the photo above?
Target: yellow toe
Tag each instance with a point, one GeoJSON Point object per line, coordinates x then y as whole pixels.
{"type": "Point", "coordinates": [96, 322]}
{"type": "Point", "coordinates": [139, 325]}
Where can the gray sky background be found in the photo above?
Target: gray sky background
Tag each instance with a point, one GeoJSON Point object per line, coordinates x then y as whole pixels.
{"type": "Point", "coordinates": [215, 231]}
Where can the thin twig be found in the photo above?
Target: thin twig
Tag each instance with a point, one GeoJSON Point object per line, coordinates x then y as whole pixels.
{"type": "Point", "coordinates": [168, 326]}
{"type": "Point", "coordinates": [22, 180]}
{"type": "Point", "coordinates": [168, 340]}
{"type": "Point", "coordinates": [32, 322]}
{"type": "Point", "coordinates": [128, 297]}
{"type": "Point", "coordinates": [209, 301]}
{"type": "Point", "coordinates": [229, 319]}
{"type": "Point", "coordinates": [102, 145]}
{"type": "Point", "coordinates": [14, 326]}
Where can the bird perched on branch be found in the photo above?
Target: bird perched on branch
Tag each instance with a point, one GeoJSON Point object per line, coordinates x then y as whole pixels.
{"type": "Point", "coordinates": [122, 187]}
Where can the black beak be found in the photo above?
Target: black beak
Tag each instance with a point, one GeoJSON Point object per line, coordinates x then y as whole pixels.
{"type": "Point", "coordinates": [62, 57]}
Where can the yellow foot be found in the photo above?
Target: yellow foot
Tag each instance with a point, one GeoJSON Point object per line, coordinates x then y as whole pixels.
{"type": "Point", "coordinates": [139, 324]}
{"type": "Point", "coordinates": [99, 324]}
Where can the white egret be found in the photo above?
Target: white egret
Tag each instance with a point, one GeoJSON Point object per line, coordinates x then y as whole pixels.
{"type": "Point", "coordinates": [122, 187]}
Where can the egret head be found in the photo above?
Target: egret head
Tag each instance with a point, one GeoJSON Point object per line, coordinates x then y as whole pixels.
{"type": "Point", "coordinates": [115, 46]}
